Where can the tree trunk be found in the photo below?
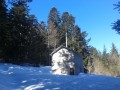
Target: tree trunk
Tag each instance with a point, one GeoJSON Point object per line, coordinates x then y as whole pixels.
{"type": "Point", "coordinates": [66, 39]}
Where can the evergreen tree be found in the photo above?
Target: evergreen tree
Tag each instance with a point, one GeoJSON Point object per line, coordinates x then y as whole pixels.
{"type": "Point", "coordinates": [28, 43]}
{"type": "Point", "coordinates": [38, 52]}
{"type": "Point", "coordinates": [84, 48]}
{"type": "Point", "coordinates": [79, 43]}
{"type": "Point", "coordinates": [114, 56]}
{"type": "Point", "coordinates": [44, 33]}
{"type": "Point", "coordinates": [4, 33]}
{"type": "Point", "coordinates": [43, 29]}
{"type": "Point", "coordinates": [116, 25]}
{"type": "Point", "coordinates": [95, 57]}
{"type": "Point", "coordinates": [114, 50]}
{"type": "Point", "coordinates": [20, 29]}
{"type": "Point", "coordinates": [104, 54]}
{"type": "Point", "coordinates": [105, 57]}
{"type": "Point", "coordinates": [53, 28]}
{"type": "Point", "coordinates": [67, 25]}
{"type": "Point", "coordinates": [76, 39]}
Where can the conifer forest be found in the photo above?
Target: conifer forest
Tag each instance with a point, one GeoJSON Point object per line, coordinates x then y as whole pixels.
{"type": "Point", "coordinates": [25, 40]}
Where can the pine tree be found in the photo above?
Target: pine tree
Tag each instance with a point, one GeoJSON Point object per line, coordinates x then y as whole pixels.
{"type": "Point", "coordinates": [114, 56]}
{"type": "Point", "coordinates": [95, 57]}
{"type": "Point", "coordinates": [53, 28]}
{"type": "Point", "coordinates": [116, 24]}
{"type": "Point", "coordinates": [75, 34]}
{"type": "Point", "coordinates": [20, 26]}
{"type": "Point", "coordinates": [44, 33]}
{"type": "Point", "coordinates": [67, 24]}
{"type": "Point", "coordinates": [114, 50]}
{"type": "Point", "coordinates": [4, 33]}
{"type": "Point", "coordinates": [105, 56]}
{"type": "Point", "coordinates": [38, 52]}
{"type": "Point", "coordinates": [76, 39]}
{"type": "Point", "coordinates": [79, 43]}
{"type": "Point", "coordinates": [28, 43]}
{"type": "Point", "coordinates": [84, 47]}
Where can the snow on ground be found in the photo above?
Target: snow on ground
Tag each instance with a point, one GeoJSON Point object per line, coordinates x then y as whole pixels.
{"type": "Point", "coordinates": [14, 77]}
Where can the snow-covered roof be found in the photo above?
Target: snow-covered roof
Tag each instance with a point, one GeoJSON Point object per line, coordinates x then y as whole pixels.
{"type": "Point", "coordinates": [57, 49]}
{"type": "Point", "coordinates": [60, 47]}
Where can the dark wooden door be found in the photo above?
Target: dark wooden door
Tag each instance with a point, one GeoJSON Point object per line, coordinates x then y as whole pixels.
{"type": "Point", "coordinates": [71, 71]}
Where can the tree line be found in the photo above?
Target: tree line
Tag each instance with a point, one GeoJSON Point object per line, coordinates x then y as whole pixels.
{"type": "Point", "coordinates": [23, 39]}
{"type": "Point", "coordinates": [106, 63]}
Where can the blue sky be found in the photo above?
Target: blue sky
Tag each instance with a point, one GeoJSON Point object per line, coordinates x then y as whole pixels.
{"type": "Point", "coordinates": [93, 16]}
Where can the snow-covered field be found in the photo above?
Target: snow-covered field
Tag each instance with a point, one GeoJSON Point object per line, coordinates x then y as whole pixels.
{"type": "Point", "coordinates": [14, 77]}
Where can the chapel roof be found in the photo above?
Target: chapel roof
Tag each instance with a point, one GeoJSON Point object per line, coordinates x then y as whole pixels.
{"type": "Point", "coordinates": [57, 49]}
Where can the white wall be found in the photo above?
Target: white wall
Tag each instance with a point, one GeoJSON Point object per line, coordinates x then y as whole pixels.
{"type": "Point", "coordinates": [61, 60]}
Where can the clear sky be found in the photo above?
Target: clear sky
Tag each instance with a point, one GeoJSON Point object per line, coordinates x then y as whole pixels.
{"type": "Point", "coordinates": [93, 16]}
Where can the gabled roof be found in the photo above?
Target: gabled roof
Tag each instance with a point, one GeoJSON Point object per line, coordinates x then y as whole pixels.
{"type": "Point", "coordinates": [57, 49]}
{"type": "Point", "coordinates": [63, 46]}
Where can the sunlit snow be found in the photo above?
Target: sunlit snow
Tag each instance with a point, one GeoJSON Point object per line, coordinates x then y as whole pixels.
{"type": "Point", "coordinates": [14, 77]}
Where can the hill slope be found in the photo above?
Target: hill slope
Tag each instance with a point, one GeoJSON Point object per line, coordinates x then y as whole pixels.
{"type": "Point", "coordinates": [13, 77]}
